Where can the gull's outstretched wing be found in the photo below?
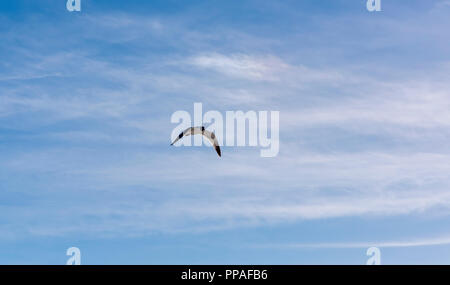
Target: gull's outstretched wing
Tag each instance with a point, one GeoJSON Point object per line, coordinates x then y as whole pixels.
{"type": "Point", "coordinates": [200, 130]}
{"type": "Point", "coordinates": [213, 139]}
{"type": "Point", "coordinates": [188, 132]}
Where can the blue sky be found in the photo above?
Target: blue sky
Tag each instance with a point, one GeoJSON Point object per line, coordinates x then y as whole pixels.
{"type": "Point", "coordinates": [85, 105]}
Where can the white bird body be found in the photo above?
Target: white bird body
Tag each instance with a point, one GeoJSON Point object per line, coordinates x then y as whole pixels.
{"type": "Point", "coordinates": [200, 131]}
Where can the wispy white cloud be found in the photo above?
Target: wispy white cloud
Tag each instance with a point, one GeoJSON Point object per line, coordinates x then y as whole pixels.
{"type": "Point", "coordinates": [240, 65]}
{"type": "Point", "coordinates": [371, 185]}
{"type": "Point", "coordinates": [438, 241]}
{"type": "Point", "coordinates": [261, 68]}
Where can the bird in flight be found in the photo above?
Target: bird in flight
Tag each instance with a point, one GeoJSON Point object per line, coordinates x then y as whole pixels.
{"type": "Point", "coordinates": [197, 131]}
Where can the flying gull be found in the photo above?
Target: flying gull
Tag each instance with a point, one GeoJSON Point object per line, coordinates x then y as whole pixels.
{"type": "Point", "coordinates": [197, 131]}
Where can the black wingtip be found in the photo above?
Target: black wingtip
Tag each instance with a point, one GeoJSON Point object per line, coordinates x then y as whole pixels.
{"type": "Point", "coordinates": [218, 151]}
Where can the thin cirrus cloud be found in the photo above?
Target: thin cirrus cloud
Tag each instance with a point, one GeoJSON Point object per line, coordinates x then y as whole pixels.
{"type": "Point", "coordinates": [444, 240]}
{"type": "Point", "coordinates": [240, 65]}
